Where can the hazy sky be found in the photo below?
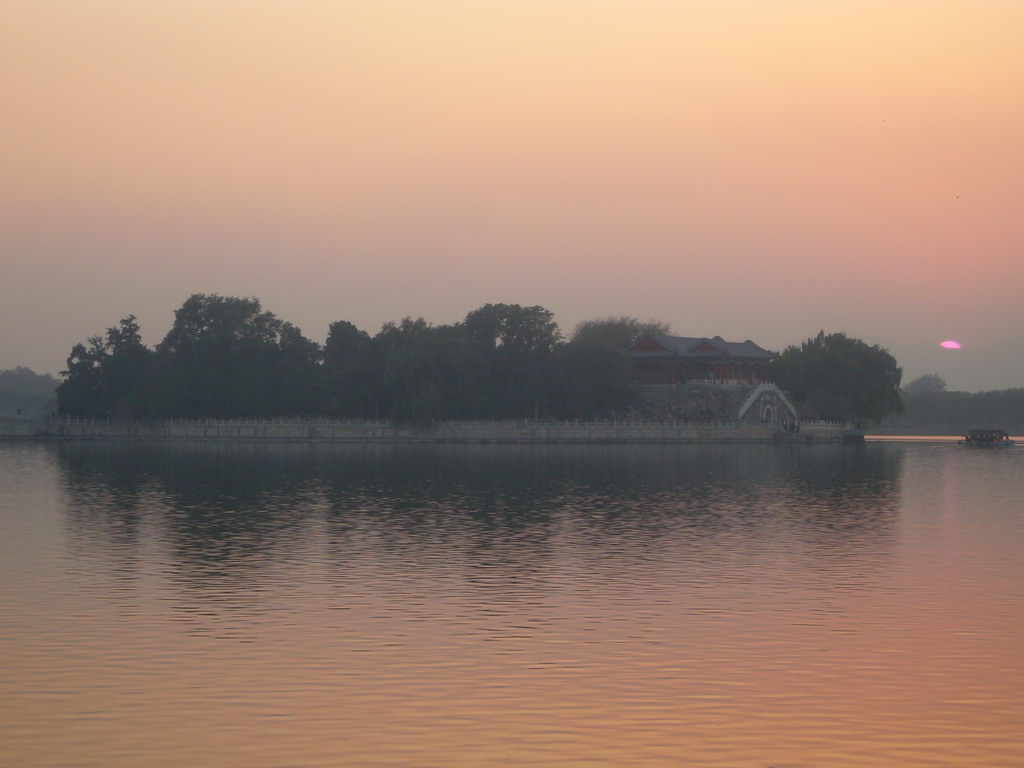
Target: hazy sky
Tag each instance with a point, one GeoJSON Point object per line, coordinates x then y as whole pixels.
{"type": "Point", "coordinates": [751, 169]}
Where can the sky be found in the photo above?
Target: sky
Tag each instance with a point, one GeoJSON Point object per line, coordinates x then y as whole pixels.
{"type": "Point", "coordinates": [759, 170]}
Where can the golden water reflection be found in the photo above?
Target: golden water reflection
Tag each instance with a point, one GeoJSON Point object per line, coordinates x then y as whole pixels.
{"type": "Point", "coordinates": [742, 606]}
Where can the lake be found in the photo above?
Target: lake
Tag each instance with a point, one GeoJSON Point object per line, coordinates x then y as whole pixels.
{"type": "Point", "coordinates": [749, 606]}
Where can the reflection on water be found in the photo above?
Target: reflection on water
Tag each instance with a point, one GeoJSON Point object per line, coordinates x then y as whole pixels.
{"type": "Point", "coordinates": [257, 604]}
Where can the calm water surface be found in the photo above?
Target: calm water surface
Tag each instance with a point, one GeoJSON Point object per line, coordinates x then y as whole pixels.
{"type": "Point", "coordinates": [291, 605]}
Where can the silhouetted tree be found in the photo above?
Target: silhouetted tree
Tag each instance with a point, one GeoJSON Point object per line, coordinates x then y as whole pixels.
{"type": "Point", "coordinates": [109, 378]}
{"type": "Point", "coordinates": [225, 357]}
{"type": "Point", "coordinates": [352, 373]}
{"type": "Point", "coordinates": [430, 372]}
{"type": "Point", "coordinates": [298, 373]}
{"type": "Point", "coordinates": [517, 344]}
{"type": "Point", "coordinates": [127, 370]}
{"type": "Point", "coordinates": [616, 332]}
{"type": "Point", "coordinates": [840, 378]}
{"type": "Point", "coordinates": [593, 380]}
{"type": "Point", "coordinates": [81, 393]}
{"type": "Point", "coordinates": [930, 382]}
{"type": "Point", "coordinates": [512, 328]}
{"type": "Point", "coordinates": [594, 374]}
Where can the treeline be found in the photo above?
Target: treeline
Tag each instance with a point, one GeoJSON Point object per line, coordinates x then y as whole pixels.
{"type": "Point", "coordinates": [22, 391]}
{"type": "Point", "coordinates": [950, 413]}
{"type": "Point", "coordinates": [226, 357]}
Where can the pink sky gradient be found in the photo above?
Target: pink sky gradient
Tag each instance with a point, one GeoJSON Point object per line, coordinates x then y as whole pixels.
{"type": "Point", "coordinates": [750, 169]}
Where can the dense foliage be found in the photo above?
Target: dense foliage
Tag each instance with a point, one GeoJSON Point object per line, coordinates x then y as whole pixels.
{"type": "Point", "coordinates": [226, 357]}
{"type": "Point", "coordinates": [840, 378]}
{"type": "Point", "coordinates": [616, 333]}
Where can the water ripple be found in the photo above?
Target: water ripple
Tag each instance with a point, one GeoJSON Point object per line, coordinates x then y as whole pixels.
{"type": "Point", "coordinates": [746, 606]}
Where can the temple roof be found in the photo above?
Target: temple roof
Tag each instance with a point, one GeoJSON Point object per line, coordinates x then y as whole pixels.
{"type": "Point", "coordinates": [692, 347]}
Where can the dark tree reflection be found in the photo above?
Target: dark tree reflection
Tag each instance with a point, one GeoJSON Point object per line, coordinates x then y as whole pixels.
{"type": "Point", "coordinates": [233, 510]}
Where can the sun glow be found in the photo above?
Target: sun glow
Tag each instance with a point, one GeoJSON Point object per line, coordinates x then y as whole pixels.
{"type": "Point", "coordinates": [950, 344]}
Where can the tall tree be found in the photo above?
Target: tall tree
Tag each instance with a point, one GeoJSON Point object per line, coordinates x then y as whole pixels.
{"type": "Point", "coordinates": [616, 332]}
{"type": "Point", "coordinates": [81, 392]}
{"type": "Point", "coordinates": [594, 374]}
{"type": "Point", "coordinates": [127, 370]}
{"type": "Point", "coordinates": [109, 377]}
{"type": "Point", "coordinates": [430, 372]}
{"type": "Point", "coordinates": [517, 344]}
{"type": "Point", "coordinates": [298, 373]}
{"type": "Point", "coordinates": [840, 378]}
{"type": "Point", "coordinates": [351, 373]}
{"type": "Point", "coordinates": [513, 328]}
{"type": "Point", "coordinates": [224, 358]}
{"type": "Point", "coordinates": [593, 381]}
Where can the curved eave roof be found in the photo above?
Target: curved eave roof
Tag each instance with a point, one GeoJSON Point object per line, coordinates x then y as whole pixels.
{"type": "Point", "coordinates": [698, 348]}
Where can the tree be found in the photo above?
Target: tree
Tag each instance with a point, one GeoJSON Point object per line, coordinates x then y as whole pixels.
{"type": "Point", "coordinates": [227, 357]}
{"type": "Point", "coordinates": [930, 382]}
{"type": "Point", "coordinates": [109, 378]}
{"type": "Point", "coordinates": [298, 373]}
{"type": "Point", "coordinates": [616, 332]}
{"type": "Point", "coordinates": [840, 378]}
{"type": "Point", "coordinates": [126, 370]}
{"type": "Point", "coordinates": [517, 345]}
{"type": "Point", "coordinates": [351, 372]}
{"type": "Point", "coordinates": [430, 372]}
{"type": "Point", "coordinates": [513, 328]}
{"type": "Point", "coordinates": [81, 391]}
{"type": "Point", "coordinates": [594, 380]}
{"type": "Point", "coordinates": [594, 374]}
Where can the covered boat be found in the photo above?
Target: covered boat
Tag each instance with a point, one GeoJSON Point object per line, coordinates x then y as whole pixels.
{"type": "Point", "coordinates": [986, 438]}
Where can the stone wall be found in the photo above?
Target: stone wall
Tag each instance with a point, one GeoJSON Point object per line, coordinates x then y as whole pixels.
{"type": "Point", "coordinates": [691, 402]}
{"type": "Point", "coordinates": [448, 431]}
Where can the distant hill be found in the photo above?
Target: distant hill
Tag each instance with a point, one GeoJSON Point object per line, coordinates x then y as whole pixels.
{"type": "Point", "coordinates": [21, 389]}
{"type": "Point", "coordinates": [981, 369]}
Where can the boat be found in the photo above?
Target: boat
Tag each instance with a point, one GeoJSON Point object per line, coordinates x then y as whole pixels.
{"type": "Point", "coordinates": [986, 438]}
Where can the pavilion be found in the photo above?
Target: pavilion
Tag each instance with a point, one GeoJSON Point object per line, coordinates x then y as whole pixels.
{"type": "Point", "coordinates": [672, 360]}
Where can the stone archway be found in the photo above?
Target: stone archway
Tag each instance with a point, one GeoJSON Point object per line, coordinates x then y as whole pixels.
{"type": "Point", "coordinates": [768, 404]}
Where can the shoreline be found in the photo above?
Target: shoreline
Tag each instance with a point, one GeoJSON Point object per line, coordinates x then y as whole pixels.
{"type": "Point", "coordinates": [483, 432]}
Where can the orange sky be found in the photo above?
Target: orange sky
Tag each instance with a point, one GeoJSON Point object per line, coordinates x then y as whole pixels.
{"type": "Point", "coordinates": [752, 169]}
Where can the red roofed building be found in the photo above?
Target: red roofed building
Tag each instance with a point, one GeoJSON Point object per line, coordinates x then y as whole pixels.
{"type": "Point", "coordinates": [684, 360]}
